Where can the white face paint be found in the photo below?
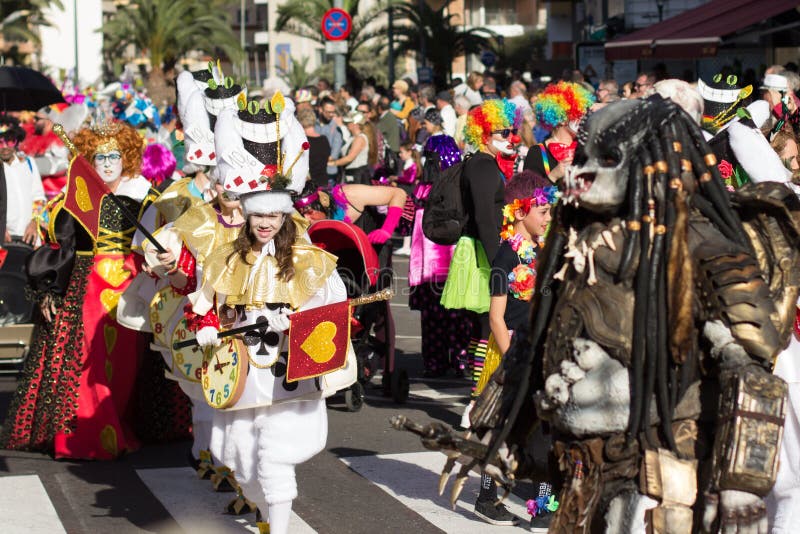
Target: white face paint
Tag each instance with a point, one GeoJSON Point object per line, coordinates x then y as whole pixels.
{"type": "Point", "coordinates": [504, 146]}
{"type": "Point", "coordinates": [108, 165]}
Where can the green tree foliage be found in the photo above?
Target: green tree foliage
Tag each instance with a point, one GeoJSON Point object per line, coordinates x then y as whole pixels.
{"type": "Point", "coordinates": [304, 18]}
{"type": "Point", "coordinates": [165, 30]}
{"type": "Point", "coordinates": [298, 74]}
{"type": "Point", "coordinates": [445, 38]}
{"type": "Point", "coordinates": [523, 52]}
{"type": "Point", "coordinates": [20, 21]}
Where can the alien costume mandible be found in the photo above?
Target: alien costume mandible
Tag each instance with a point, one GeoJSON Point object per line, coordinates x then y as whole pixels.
{"type": "Point", "coordinates": [661, 303]}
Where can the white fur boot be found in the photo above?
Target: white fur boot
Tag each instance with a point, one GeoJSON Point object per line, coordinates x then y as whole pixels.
{"type": "Point", "coordinates": [279, 514]}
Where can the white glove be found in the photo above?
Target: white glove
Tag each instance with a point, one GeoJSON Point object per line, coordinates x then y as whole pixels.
{"type": "Point", "coordinates": [207, 337]}
{"type": "Point", "coordinates": [279, 322]}
{"type": "Point", "coordinates": [739, 512]}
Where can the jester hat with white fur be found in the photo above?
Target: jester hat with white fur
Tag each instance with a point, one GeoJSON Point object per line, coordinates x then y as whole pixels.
{"type": "Point", "coordinates": [199, 103]}
{"type": "Point", "coordinates": [198, 137]}
{"type": "Point", "coordinates": [261, 158]}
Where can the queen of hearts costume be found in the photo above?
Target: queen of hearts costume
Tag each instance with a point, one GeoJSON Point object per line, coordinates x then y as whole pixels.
{"type": "Point", "coordinates": [275, 424]}
{"type": "Point", "coordinates": [75, 395]}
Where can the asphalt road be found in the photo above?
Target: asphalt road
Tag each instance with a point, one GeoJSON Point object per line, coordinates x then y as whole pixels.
{"type": "Point", "coordinates": [369, 479]}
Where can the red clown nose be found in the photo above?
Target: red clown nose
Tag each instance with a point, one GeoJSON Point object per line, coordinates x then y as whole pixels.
{"type": "Point", "coordinates": [515, 139]}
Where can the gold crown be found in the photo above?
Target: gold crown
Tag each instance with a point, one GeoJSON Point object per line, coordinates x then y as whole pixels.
{"type": "Point", "coordinates": [107, 129]}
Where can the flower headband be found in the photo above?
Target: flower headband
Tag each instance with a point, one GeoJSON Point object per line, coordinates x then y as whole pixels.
{"type": "Point", "coordinates": [541, 197]}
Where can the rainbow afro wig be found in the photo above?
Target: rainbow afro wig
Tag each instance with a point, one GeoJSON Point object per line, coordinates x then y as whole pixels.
{"type": "Point", "coordinates": [561, 103]}
{"type": "Point", "coordinates": [490, 116]}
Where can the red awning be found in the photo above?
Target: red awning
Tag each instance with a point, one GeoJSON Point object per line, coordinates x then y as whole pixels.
{"type": "Point", "coordinates": [697, 32]}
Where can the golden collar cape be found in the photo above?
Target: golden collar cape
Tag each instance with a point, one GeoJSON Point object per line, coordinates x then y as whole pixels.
{"type": "Point", "coordinates": [202, 232]}
{"type": "Point", "coordinates": [176, 200]}
{"type": "Point", "coordinates": [224, 273]}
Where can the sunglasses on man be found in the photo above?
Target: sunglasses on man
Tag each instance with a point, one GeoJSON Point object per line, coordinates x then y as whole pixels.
{"type": "Point", "coordinates": [506, 132]}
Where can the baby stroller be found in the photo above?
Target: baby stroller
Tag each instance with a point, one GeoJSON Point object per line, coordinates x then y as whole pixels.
{"type": "Point", "coordinates": [372, 339]}
{"type": "Point", "coordinates": [16, 309]}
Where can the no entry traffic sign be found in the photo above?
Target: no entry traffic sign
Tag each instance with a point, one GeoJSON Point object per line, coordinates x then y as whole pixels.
{"type": "Point", "coordinates": [336, 24]}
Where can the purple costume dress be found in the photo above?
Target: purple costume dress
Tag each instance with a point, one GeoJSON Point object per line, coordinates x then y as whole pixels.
{"type": "Point", "coordinates": [445, 333]}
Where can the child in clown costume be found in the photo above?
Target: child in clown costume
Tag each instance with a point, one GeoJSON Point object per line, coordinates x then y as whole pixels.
{"type": "Point", "coordinates": [266, 274]}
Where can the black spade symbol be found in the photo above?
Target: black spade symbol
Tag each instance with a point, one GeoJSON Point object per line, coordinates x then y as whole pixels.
{"type": "Point", "coordinates": [262, 337]}
{"type": "Point", "coordinates": [279, 370]}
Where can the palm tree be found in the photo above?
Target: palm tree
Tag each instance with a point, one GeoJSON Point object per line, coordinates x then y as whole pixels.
{"type": "Point", "coordinates": [297, 75]}
{"type": "Point", "coordinates": [19, 19]}
{"type": "Point", "coordinates": [303, 18]}
{"type": "Point", "coordinates": [444, 39]}
{"type": "Point", "coordinates": [165, 30]}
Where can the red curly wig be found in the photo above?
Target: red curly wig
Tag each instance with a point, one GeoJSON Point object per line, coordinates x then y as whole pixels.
{"type": "Point", "coordinates": [131, 144]}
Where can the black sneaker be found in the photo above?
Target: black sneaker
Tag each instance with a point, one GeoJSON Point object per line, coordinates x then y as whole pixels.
{"type": "Point", "coordinates": [495, 515]}
{"type": "Point", "coordinates": [541, 523]}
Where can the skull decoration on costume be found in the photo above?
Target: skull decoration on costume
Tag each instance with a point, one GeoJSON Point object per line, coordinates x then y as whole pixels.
{"type": "Point", "coordinates": [598, 177]}
{"type": "Point", "coordinates": [648, 293]}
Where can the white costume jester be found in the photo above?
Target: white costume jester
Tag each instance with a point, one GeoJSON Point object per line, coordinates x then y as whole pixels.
{"type": "Point", "coordinates": [263, 277]}
{"type": "Point", "coordinates": [190, 239]}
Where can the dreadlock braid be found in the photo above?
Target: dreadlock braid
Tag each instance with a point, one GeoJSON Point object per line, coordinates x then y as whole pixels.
{"type": "Point", "coordinates": [712, 185]}
{"type": "Point", "coordinates": [657, 288]}
{"type": "Point", "coordinates": [640, 166]}
{"type": "Point", "coordinates": [633, 224]}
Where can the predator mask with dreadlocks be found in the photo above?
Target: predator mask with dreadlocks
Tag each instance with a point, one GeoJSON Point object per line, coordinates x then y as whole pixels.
{"type": "Point", "coordinates": [660, 305]}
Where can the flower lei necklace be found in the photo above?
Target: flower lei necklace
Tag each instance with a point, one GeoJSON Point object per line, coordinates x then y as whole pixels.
{"type": "Point", "coordinates": [522, 279]}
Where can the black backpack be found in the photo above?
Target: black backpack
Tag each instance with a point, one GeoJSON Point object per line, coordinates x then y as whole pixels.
{"type": "Point", "coordinates": [445, 214]}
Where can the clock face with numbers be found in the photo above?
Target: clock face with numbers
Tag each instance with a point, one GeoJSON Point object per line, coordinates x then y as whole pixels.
{"type": "Point", "coordinates": [187, 362]}
{"type": "Point", "coordinates": [224, 373]}
{"type": "Point", "coordinates": [163, 308]}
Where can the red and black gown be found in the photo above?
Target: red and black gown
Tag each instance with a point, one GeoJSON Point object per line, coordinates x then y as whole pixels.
{"type": "Point", "coordinates": [75, 396]}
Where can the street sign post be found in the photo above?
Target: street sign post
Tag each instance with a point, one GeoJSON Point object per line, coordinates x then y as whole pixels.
{"type": "Point", "coordinates": [336, 27]}
{"type": "Point", "coordinates": [336, 24]}
{"type": "Point", "coordinates": [424, 75]}
{"type": "Point", "coordinates": [335, 47]}
{"type": "Point", "coordinates": [488, 58]}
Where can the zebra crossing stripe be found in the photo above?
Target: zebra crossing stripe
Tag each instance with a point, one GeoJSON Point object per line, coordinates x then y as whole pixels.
{"type": "Point", "coordinates": [197, 508]}
{"type": "Point", "coordinates": [27, 508]}
{"type": "Point", "coordinates": [413, 478]}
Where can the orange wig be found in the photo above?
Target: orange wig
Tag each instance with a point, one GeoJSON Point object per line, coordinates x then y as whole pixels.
{"type": "Point", "coordinates": [130, 143]}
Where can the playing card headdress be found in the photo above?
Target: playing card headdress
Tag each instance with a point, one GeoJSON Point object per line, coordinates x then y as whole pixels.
{"type": "Point", "coordinates": [198, 107]}
{"type": "Point", "coordinates": [263, 154]}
